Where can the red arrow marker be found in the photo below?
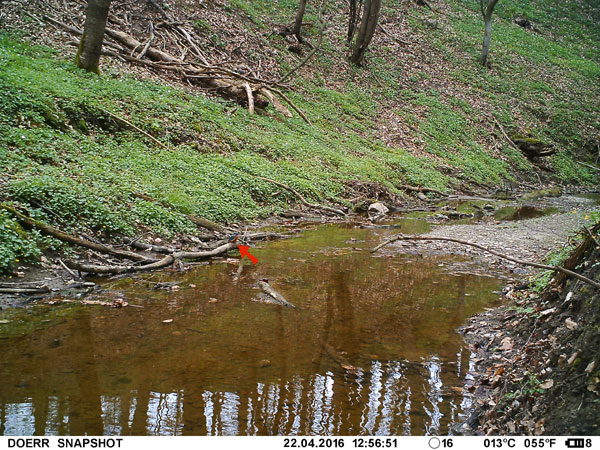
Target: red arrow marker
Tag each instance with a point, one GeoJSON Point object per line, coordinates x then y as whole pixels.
{"type": "Point", "coordinates": [244, 251]}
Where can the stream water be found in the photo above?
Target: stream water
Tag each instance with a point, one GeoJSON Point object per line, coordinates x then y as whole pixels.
{"type": "Point", "coordinates": [370, 349]}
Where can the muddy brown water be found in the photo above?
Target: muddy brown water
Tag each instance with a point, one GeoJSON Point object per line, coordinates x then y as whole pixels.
{"type": "Point", "coordinates": [371, 348]}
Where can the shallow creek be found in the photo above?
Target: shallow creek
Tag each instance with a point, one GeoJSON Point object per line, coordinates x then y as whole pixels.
{"type": "Point", "coordinates": [370, 349]}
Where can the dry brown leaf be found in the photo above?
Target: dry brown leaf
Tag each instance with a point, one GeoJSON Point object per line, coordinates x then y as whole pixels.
{"type": "Point", "coordinates": [547, 384]}
{"type": "Point", "coordinates": [570, 324]}
{"type": "Point", "coordinates": [507, 344]}
{"type": "Point", "coordinates": [590, 367]}
{"type": "Point", "coordinates": [572, 358]}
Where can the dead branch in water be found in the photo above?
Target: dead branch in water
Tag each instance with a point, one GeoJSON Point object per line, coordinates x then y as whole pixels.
{"type": "Point", "coordinates": [570, 273]}
{"type": "Point", "coordinates": [274, 296]}
{"type": "Point", "coordinates": [302, 199]}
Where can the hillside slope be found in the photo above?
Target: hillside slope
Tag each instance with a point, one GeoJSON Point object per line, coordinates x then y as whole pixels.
{"type": "Point", "coordinates": [420, 112]}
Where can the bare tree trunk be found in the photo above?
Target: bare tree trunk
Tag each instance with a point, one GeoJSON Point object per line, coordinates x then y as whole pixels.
{"type": "Point", "coordinates": [299, 18]}
{"type": "Point", "coordinates": [486, 11]}
{"type": "Point", "coordinates": [90, 46]}
{"type": "Point", "coordinates": [366, 31]}
{"type": "Point", "coordinates": [486, 42]}
{"type": "Point", "coordinates": [352, 20]}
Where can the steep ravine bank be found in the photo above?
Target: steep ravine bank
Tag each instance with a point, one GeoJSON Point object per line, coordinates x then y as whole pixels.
{"type": "Point", "coordinates": [538, 356]}
{"type": "Point", "coordinates": [539, 359]}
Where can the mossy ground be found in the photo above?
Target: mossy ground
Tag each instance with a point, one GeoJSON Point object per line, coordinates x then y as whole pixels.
{"type": "Point", "coordinates": [67, 161]}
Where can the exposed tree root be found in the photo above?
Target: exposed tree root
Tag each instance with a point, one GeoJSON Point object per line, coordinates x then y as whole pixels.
{"type": "Point", "coordinates": [562, 270]}
{"type": "Point", "coordinates": [302, 199]}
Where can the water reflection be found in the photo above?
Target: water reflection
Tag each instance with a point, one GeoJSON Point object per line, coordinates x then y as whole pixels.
{"type": "Point", "coordinates": [381, 402]}
{"type": "Point", "coordinates": [370, 350]}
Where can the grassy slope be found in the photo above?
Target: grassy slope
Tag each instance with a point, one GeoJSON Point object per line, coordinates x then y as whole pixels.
{"type": "Point", "coordinates": [72, 165]}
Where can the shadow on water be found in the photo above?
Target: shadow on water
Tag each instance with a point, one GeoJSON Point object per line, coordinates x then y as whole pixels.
{"type": "Point", "coordinates": [235, 366]}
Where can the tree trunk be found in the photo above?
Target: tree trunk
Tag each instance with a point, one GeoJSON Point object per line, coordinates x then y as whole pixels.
{"type": "Point", "coordinates": [90, 46]}
{"type": "Point", "coordinates": [487, 8]}
{"type": "Point", "coordinates": [486, 41]}
{"type": "Point", "coordinates": [366, 31]}
{"type": "Point", "coordinates": [352, 20]}
{"type": "Point", "coordinates": [299, 18]}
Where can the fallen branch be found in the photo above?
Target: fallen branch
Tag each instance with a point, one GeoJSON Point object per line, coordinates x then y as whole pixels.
{"type": "Point", "coordinates": [129, 124]}
{"type": "Point", "coordinates": [230, 87]}
{"type": "Point", "coordinates": [402, 237]}
{"type": "Point", "coordinates": [341, 360]}
{"type": "Point", "coordinates": [588, 165]}
{"type": "Point", "coordinates": [314, 50]}
{"type": "Point", "coordinates": [62, 236]}
{"type": "Point", "coordinates": [156, 264]}
{"type": "Point", "coordinates": [302, 199]}
{"type": "Point", "coordinates": [275, 297]}
{"type": "Point", "coordinates": [421, 189]}
{"type": "Point", "coordinates": [510, 141]}
{"type": "Point", "coordinates": [275, 102]}
{"type": "Point", "coordinates": [294, 107]}
{"type": "Point", "coordinates": [40, 290]}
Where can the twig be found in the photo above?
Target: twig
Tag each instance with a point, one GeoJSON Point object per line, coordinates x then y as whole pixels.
{"type": "Point", "coordinates": [402, 237]}
{"type": "Point", "coordinates": [302, 199]}
{"type": "Point", "coordinates": [314, 50]}
{"type": "Point", "coordinates": [510, 141]}
{"type": "Point", "coordinates": [128, 123]}
{"type": "Point", "coordinates": [588, 165]}
{"type": "Point", "coordinates": [591, 235]}
{"type": "Point", "coordinates": [73, 274]}
{"type": "Point", "coordinates": [294, 107]}
{"type": "Point", "coordinates": [387, 33]}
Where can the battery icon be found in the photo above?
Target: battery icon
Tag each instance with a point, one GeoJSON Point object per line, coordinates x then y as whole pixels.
{"type": "Point", "coordinates": [575, 443]}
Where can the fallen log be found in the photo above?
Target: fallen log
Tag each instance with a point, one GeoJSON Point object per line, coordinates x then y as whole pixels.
{"type": "Point", "coordinates": [570, 273]}
{"type": "Point", "coordinates": [62, 236]}
{"type": "Point", "coordinates": [302, 199]}
{"type": "Point", "coordinates": [273, 295]}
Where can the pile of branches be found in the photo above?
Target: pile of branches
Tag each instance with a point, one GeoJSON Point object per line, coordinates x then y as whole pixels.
{"type": "Point", "coordinates": [167, 35]}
